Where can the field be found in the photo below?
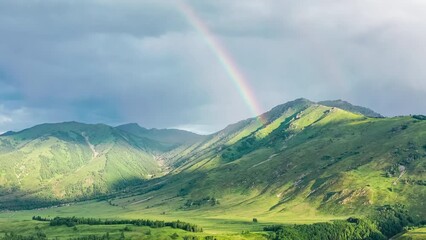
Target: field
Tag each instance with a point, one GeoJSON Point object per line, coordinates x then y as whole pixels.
{"type": "Point", "coordinates": [237, 224]}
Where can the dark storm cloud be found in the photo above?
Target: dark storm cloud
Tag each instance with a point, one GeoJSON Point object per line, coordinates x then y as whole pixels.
{"type": "Point", "coordinates": [68, 19]}
{"type": "Point", "coordinates": [141, 61]}
{"type": "Point", "coordinates": [96, 61]}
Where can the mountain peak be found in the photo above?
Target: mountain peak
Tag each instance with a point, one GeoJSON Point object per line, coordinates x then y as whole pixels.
{"type": "Point", "coordinates": [131, 126]}
{"type": "Point", "coordinates": [339, 103]}
{"type": "Point", "coordinates": [276, 111]}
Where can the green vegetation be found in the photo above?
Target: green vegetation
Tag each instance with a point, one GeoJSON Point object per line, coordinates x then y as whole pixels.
{"type": "Point", "coordinates": [201, 202]}
{"type": "Point", "coordinates": [351, 229]}
{"type": "Point", "coordinates": [419, 117]}
{"type": "Point", "coordinates": [12, 236]}
{"type": "Point", "coordinates": [384, 223]}
{"type": "Point", "coordinates": [73, 221]}
{"type": "Point", "coordinates": [413, 234]}
{"type": "Point", "coordinates": [392, 220]}
{"type": "Point", "coordinates": [59, 163]}
{"type": "Point", "coordinates": [105, 229]}
{"type": "Point", "coordinates": [310, 163]}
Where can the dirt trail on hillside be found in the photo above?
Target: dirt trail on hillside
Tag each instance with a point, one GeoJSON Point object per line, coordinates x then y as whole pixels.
{"type": "Point", "coordinates": [91, 146]}
{"type": "Point", "coordinates": [143, 200]}
{"type": "Point", "coordinates": [269, 159]}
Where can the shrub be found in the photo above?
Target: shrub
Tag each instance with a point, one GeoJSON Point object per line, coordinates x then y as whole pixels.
{"type": "Point", "coordinates": [419, 117]}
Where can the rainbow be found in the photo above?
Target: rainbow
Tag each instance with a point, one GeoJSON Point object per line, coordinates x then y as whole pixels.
{"type": "Point", "coordinates": [225, 59]}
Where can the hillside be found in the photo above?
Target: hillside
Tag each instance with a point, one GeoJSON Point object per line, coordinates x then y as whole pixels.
{"type": "Point", "coordinates": [309, 163]}
{"type": "Point", "coordinates": [308, 159]}
{"type": "Point", "coordinates": [64, 161]}
{"type": "Point", "coordinates": [331, 159]}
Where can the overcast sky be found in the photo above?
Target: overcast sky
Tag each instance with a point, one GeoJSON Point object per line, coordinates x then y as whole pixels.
{"type": "Point", "coordinates": [141, 61]}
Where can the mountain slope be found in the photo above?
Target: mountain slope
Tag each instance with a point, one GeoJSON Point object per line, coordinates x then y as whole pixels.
{"type": "Point", "coordinates": [308, 157]}
{"type": "Point", "coordinates": [235, 132]}
{"type": "Point", "coordinates": [72, 160]}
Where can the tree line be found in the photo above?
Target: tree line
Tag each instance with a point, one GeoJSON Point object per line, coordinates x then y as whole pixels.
{"type": "Point", "coordinates": [392, 220]}
{"type": "Point", "coordinates": [73, 221]}
{"type": "Point", "coordinates": [353, 229]}
{"type": "Point", "coordinates": [384, 223]}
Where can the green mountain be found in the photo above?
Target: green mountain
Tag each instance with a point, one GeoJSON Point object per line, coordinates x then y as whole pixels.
{"type": "Point", "coordinates": [64, 161]}
{"type": "Point", "coordinates": [309, 158]}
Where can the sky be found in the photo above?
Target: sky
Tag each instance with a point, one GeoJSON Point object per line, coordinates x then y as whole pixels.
{"type": "Point", "coordinates": [144, 61]}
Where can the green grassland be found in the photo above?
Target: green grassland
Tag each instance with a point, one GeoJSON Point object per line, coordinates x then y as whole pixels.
{"type": "Point", "coordinates": [214, 222]}
{"type": "Point", "coordinates": [28, 228]}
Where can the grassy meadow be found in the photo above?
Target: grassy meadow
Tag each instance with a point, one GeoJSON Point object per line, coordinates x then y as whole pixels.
{"type": "Point", "coordinates": [223, 222]}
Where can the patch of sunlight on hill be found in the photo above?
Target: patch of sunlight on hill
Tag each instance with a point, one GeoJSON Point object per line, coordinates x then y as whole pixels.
{"type": "Point", "coordinates": [337, 115]}
{"type": "Point", "coordinates": [252, 127]}
{"type": "Point", "coordinates": [309, 116]}
{"type": "Point", "coordinates": [265, 131]}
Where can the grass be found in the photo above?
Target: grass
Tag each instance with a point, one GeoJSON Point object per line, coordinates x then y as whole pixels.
{"type": "Point", "coordinates": [416, 234]}
{"type": "Point", "coordinates": [213, 220]}
{"type": "Point", "coordinates": [29, 228]}
{"type": "Point", "coordinates": [226, 221]}
{"type": "Point", "coordinates": [228, 228]}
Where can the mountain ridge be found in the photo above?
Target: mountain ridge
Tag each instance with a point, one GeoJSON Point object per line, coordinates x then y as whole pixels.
{"type": "Point", "coordinates": [168, 136]}
{"type": "Point", "coordinates": [352, 108]}
{"type": "Point", "coordinates": [344, 105]}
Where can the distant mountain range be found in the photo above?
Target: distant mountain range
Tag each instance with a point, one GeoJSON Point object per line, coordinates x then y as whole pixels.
{"type": "Point", "coordinates": [331, 156]}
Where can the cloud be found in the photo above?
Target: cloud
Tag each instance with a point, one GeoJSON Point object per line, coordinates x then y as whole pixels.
{"type": "Point", "coordinates": [5, 119]}
{"type": "Point", "coordinates": [198, 128]}
{"type": "Point", "coordinates": [141, 61]}
{"type": "Point", "coordinates": [13, 117]}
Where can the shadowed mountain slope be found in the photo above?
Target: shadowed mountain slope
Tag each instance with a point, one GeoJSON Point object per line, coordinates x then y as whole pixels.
{"type": "Point", "coordinates": [168, 138]}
